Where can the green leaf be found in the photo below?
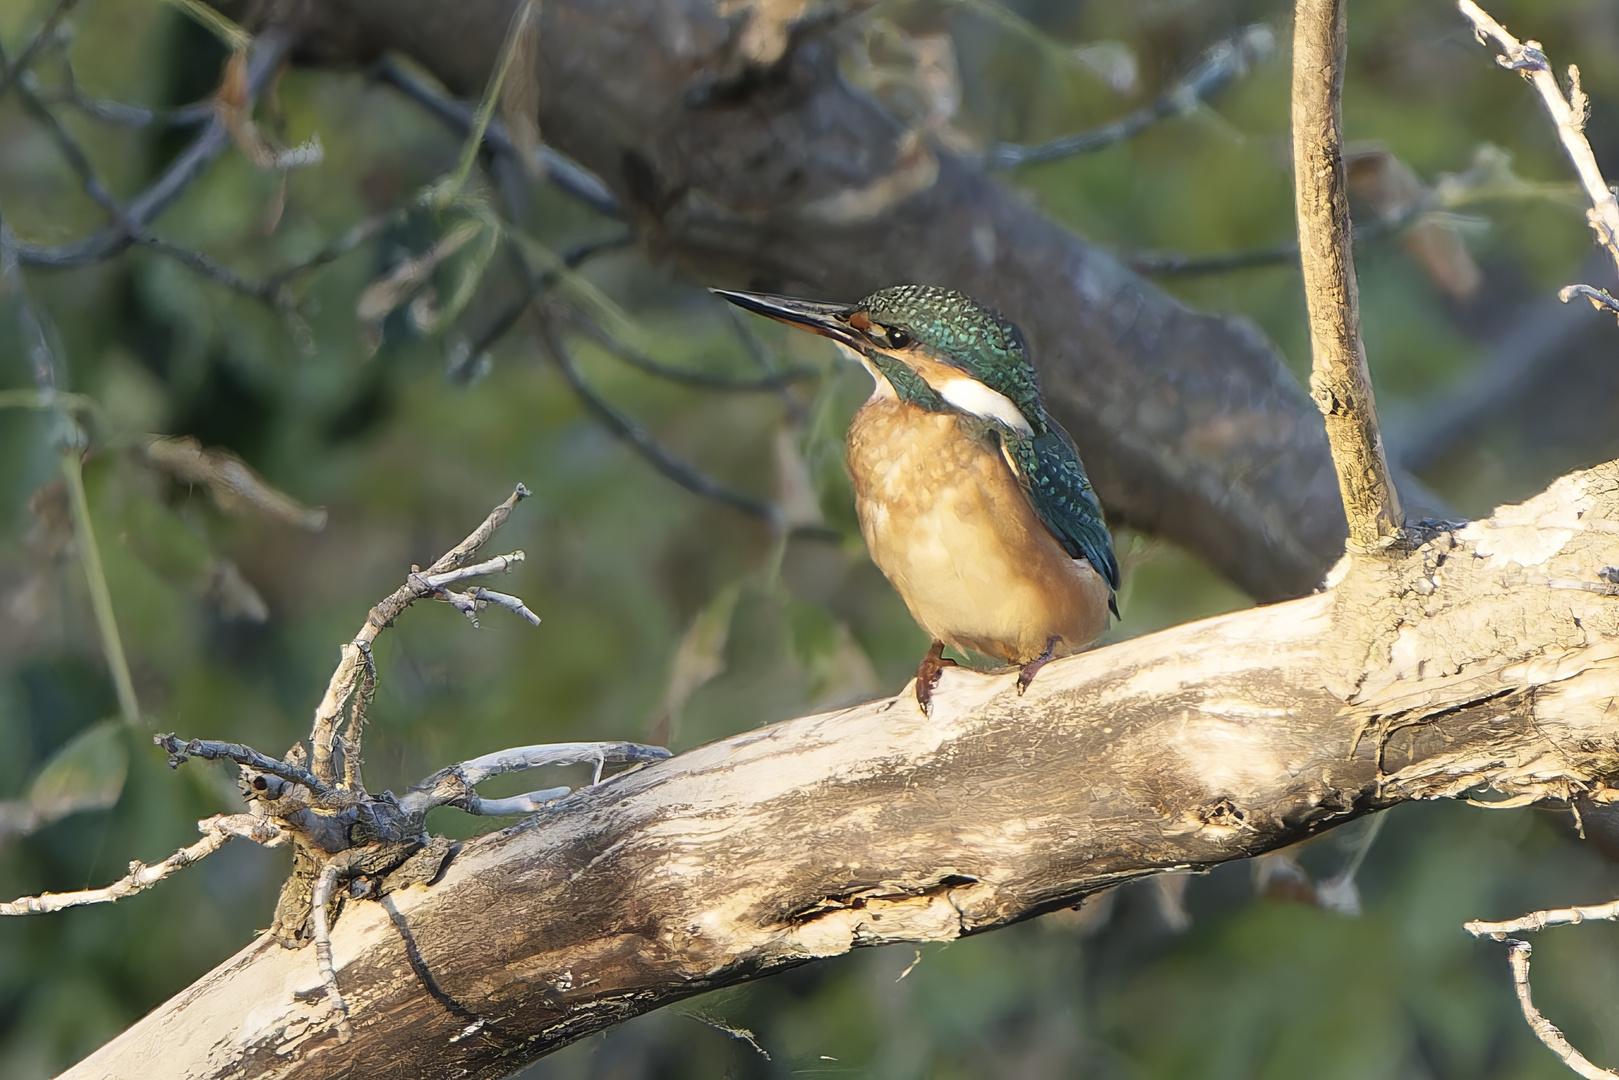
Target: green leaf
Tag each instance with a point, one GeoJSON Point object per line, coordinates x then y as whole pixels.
{"type": "Point", "coordinates": [404, 279]}
{"type": "Point", "coordinates": [86, 774]}
{"type": "Point", "coordinates": [467, 272]}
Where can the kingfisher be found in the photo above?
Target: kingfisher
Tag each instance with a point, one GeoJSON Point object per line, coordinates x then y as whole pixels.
{"type": "Point", "coordinates": [972, 499]}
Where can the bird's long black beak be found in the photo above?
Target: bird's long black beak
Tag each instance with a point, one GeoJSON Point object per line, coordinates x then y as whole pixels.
{"type": "Point", "coordinates": [816, 316]}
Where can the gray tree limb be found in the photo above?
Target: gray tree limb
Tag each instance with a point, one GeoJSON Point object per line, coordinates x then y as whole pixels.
{"type": "Point", "coordinates": [1482, 655]}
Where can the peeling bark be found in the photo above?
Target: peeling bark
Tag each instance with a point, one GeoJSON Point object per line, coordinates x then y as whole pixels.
{"type": "Point", "coordinates": [759, 167]}
{"type": "Point", "coordinates": [1484, 654]}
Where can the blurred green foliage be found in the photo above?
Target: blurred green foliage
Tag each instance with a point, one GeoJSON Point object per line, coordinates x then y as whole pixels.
{"type": "Point", "coordinates": [645, 588]}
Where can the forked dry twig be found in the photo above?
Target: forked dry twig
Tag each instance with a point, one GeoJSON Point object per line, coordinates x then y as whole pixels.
{"type": "Point", "coordinates": [1568, 113]}
{"type": "Point", "coordinates": [217, 831]}
{"type": "Point", "coordinates": [339, 833]}
{"type": "Point", "coordinates": [1546, 1031]}
{"type": "Point", "coordinates": [418, 585]}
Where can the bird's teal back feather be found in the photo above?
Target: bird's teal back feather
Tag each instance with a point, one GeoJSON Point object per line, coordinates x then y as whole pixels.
{"type": "Point", "coordinates": [1050, 470]}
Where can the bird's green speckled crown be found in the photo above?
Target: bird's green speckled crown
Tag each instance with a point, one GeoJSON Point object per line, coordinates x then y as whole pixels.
{"type": "Point", "coordinates": [945, 319]}
{"type": "Point", "coordinates": [960, 331]}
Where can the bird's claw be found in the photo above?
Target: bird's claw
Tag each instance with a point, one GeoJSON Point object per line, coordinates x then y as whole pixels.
{"type": "Point", "coordinates": [927, 676]}
{"type": "Point", "coordinates": [1032, 668]}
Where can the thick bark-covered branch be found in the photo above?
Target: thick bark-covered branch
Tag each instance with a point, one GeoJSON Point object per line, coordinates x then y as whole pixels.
{"type": "Point", "coordinates": [1483, 655]}
{"type": "Point", "coordinates": [746, 160]}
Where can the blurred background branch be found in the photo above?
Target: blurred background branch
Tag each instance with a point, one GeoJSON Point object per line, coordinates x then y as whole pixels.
{"type": "Point", "coordinates": [137, 214]}
{"type": "Point", "coordinates": [1225, 61]}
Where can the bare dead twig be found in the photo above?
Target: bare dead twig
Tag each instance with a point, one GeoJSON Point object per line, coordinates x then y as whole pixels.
{"type": "Point", "coordinates": [1339, 381]}
{"type": "Point", "coordinates": [357, 234]}
{"type": "Point", "coordinates": [217, 831]}
{"type": "Point", "coordinates": [465, 365]}
{"type": "Point", "coordinates": [359, 706]}
{"type": "Point", "coordinates": [119, 113]}
{"type": "Point", "coordinates": [1547, 1032]}
{"type": "Point", "coordinates": [350, 669]}
{"type": "Point", "coordinates": [475, 599]}
{"type": "Point", "coordinates": [215, 271]}
{"type": "Point", "coordinates": [1221, 65]}
{"type": "Point", "coordinates": [320, 898]}
{"type": "Point", "coordinates": [275, 288]}
{"type": "Point", "coordinates": [500, 564]}
{"type": "Point", "coordinates": [1568, 114]}
{"type": "Point", "coordinates": [1600, 299]}
{"type": "Point", "coordinates": [272, 289]}
{"type": "Point", "coordinates": [340, 833]}
{"type": "Point", "coordinates": [69, 147]}
{"type": "Point", "coordinates": [454, 786]}
{"type": "Point", "coordinates": [211, 750]}
{"type": "Point", "coordinates": [1165, 263]}
{"type": "Point", "coordinates": [1175, 262]}
{"type": "Point", "coordinates": [346, 835]}
{"type": "Point", "coordinates": [511, 603]}
{"type": "Point", "coordinates": [1539, 920]}
{"type": "Point", "coordinates": [742, 327]}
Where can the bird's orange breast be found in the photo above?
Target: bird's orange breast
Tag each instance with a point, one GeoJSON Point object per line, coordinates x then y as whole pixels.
{"type": "Point", "coordinates": [949, 524]}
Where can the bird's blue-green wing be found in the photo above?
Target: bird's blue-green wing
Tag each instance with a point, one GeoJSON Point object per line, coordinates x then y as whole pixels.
{"type": "Point", "coordinates": [1049, 469]}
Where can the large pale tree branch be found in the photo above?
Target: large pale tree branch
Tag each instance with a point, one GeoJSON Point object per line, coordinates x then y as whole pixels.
{"type": "Point", "coordinates": [1486, 656]}
{"type": "Point", "coordinates": [746, 160]}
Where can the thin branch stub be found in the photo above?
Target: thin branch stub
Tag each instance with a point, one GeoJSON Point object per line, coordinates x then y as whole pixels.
{"type": "Point", "coordinates": [1546, 1031]}
{"type": "Point", "coordinates": [1339, 381]}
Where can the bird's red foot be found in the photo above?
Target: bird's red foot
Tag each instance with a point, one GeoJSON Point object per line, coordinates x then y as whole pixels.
{"type": "Point", "coordinates": [927, 675]}
{"type": "Point", "coordinates": [1032, 668]}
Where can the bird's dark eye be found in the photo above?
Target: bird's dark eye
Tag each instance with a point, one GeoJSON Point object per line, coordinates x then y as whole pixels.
{"type": "Point", "coordinates": [898, 339]}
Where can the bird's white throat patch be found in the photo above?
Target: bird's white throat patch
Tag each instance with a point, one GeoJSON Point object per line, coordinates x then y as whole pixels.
{"type": "Point", "coordinates": [961, 390]}
{"type": "Point", "coordinates": [971, 396]}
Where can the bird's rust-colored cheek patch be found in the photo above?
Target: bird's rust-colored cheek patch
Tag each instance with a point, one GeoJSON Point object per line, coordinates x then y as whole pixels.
{"type": "Point", "coordinates": [860, 321]}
